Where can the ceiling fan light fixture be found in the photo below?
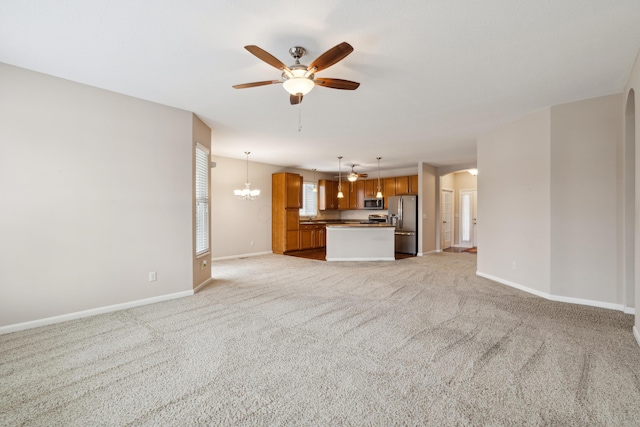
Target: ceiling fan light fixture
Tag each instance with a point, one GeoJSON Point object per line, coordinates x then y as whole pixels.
{"type": "Point", "coordinates": [298, 84]}
{"type": "Point", "coordinates": [352, 177]}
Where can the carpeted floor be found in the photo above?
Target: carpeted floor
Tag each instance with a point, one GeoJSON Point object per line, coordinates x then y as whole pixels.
{"type": "Point", "coordinates": [281, 340]}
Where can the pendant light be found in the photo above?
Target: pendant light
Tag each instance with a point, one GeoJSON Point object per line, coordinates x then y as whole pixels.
{"type": "Point", "coordinates": [247, 193]}
{"type": "Point", "coordinates": [315, 183]}
{"type": "Point", "coordinates": [379, 193]}
{"type": "Point", "coordinates": [340, 195]}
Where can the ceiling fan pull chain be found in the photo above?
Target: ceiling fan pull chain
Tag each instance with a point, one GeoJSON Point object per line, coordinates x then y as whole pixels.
{"type": "Point", "coordinates": [299, 117]}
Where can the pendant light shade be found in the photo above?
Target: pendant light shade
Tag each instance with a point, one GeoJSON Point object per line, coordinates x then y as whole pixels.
{"type": "Point", "coordinates": [340, 195]}
{"type": "Point", "coordinates": [315, 183]}
{"type": "Point", "coordinates": [247, 193]}
{"type": "Point", "coordinates": [379, 193]}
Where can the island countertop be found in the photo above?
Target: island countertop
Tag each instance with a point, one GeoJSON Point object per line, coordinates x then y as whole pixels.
{"type": "Point", "coordinates": [360, 242]}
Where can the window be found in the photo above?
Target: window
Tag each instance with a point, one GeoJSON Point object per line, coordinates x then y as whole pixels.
{"type": "Point", "coordinates": [309, 200]}
{"type": "Point", "coordinates": [202, 199]}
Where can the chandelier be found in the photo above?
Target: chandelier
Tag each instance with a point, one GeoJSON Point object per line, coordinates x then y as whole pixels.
{"type": "Point", "coordinates": [247, 193]}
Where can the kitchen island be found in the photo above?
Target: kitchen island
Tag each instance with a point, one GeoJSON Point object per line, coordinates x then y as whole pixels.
{"type": "Point", "coordinates": [360, 242]}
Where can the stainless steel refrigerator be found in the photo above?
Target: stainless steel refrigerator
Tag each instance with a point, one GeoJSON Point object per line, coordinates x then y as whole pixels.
{"type": "Point", "coordinates": [403, 213]}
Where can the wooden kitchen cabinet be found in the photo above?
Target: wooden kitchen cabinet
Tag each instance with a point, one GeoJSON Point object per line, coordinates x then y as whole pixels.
{"type": "Point", "coordinates": [321, 236]}
{"type": "Point", "coordinates": [356, 194]}
{"type": "Point", "coordinates": [312, 236]}
{"type": "Point", "coordinates": [402, 185]}
{"type": "Point", "coordinates": [327, 195]}
{"type": "Point", "coordinates": [286, 201]}
{"type": "Point", "coordinates": [389, 190]}
{"type": "Point", "coordinates": [307, 237]}
{"type": "Point", "coordinates": [370, 187]}
{"type": "Point", "coordinates": [294, 190]}
{"type": "Point", "coordinates": [413, 185]}
{"type": "Point", "coordinates": [343, 203]}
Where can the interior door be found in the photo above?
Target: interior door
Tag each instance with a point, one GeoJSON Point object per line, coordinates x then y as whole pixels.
{"type": "Point", "coordinates": [446, 214]}
{"type": "Point", "coordinates": [468, 207]}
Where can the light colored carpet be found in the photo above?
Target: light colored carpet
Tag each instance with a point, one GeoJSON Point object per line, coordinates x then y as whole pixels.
{"type": "Point", "coordinates": [289, 341]}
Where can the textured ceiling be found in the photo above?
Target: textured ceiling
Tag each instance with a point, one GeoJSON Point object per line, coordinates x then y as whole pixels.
{"type": "Point", "coordinates": [434, 75]}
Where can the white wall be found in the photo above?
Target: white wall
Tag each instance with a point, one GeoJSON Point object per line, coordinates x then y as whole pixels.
{"type": "Point", "coordinates": [584, 208]}
{"type": "Point", "coordinates": [96, 193]}
{"type": "Point", "coordinates": [513, 203]}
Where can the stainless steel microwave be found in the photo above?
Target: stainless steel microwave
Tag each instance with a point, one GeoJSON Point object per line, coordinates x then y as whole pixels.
{"type": "Point", "coordinates": [374, 203]}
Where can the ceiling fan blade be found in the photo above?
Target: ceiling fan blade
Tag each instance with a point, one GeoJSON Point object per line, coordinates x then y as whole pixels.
{"type": "Point", "coordinates": [331, 56]}
{"type": "Point", "coordinates": [254, 84]}
{"type": "Point", "coordinates": [337, 83]}
{"type": "Point", "coordinates": [295, 99]}
{"type": "Point", "coordinates": [266, 57]}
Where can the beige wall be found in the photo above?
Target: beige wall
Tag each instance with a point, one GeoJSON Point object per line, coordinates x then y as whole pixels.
{"type": "Point", "coordinates": [96, 193]}
{"type": "Point", "coordinates": [584, 199]}
{"type": "Point", "coordinates": [634, 84]}
{"type": "Point", "coordinates": [201, 272]}
{"type": "Point", "coordinates": [427, 175]}
{"type": "Point", "coordinates": [513, 203]}
{"type": "Point", "coordinates": [549, 201]}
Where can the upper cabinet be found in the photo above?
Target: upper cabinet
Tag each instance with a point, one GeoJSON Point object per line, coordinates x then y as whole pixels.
{"type": "Point", "coordinates": [402, 184]}
{"type": "Point", "coordinates": [294, 190]}
{"type": "Point", "coordinates": [389, 190]}
{"type": "Point", "coordinates": [413, 184]}
{"type": "Point", "coordinates": [327, 195]}
{"type": "Point", "coordinates": [355, 192]}
{"type": "Point", "coordinates": [343, 202]}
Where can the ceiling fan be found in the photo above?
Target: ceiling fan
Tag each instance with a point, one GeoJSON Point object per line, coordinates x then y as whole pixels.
{"type": "Point", "coordinates": [353, 176]}
{"type": "Point", "coordinates": [299, 79]}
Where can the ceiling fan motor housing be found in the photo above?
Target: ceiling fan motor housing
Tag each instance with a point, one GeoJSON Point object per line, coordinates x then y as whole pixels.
{"type": "Point", "coordinates": [297, 52]}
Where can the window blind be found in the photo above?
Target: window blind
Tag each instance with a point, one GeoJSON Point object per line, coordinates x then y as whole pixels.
{"type": "Point", "coordinates": [309, 200]}
{"type": "Point", "coordinates": [202, 200]}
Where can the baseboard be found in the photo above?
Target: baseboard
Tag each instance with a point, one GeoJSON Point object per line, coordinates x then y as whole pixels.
{"type": "Point", "coordinates": [434, 251]}
{"type": "Point", "coordinates": [221, 258]}
{"type": "Point", "coordinates": [88, 313]}
{"type": "Point", "coordinates": [558, 298]}
{"type": "Point", "coordinates": [636, 334]}
{"type": "Point", "coordinates": [202, 285]}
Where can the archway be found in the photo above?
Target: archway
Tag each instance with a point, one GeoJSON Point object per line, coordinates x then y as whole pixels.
{"type": "Point", "coordinates": [629, 201]}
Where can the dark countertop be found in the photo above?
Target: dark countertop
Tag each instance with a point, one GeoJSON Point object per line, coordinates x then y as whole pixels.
{"type": "Point", "coordinates": [359, 225]}
{"type": "Point", "coordinates": [332, 221]}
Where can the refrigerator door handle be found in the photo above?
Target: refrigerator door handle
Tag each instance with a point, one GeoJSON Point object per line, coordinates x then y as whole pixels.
{"type": "Point", "coordinates": [400, 212]}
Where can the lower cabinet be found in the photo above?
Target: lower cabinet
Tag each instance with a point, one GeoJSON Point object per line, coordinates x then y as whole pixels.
{"type": "Point", "coordinates": [312, 236]}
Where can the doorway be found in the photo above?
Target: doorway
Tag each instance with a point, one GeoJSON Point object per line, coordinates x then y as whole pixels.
{"type": "Point", "coordinates": [468, 220]}
{"type": "Point", "coordinates": [446, 215]}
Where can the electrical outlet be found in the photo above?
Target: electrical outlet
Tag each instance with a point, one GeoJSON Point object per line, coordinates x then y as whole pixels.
{"type": "Point", "coordinates": [514, 265]}
{"type": "Point", "coordinates": [153, 276]}
{"type": "Point", "coordinates": [252, 243]}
